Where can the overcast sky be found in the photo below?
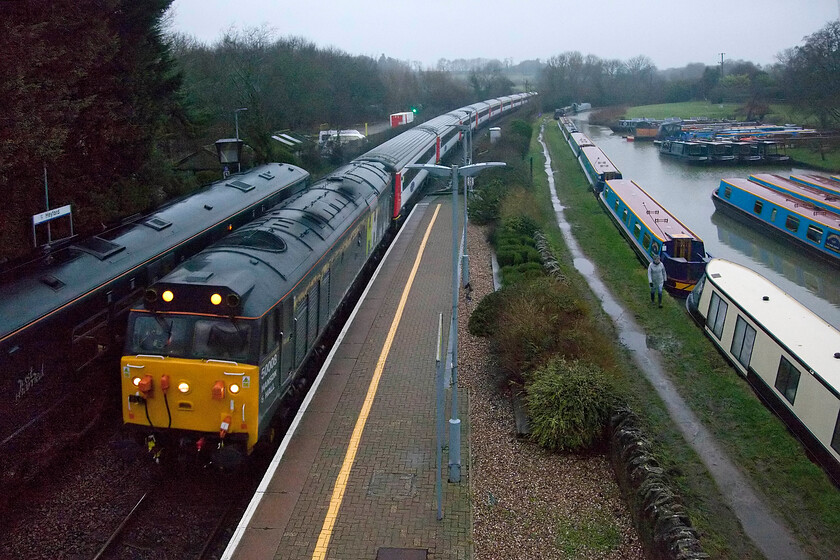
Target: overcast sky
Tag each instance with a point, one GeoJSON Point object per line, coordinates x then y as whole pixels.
{"type": "Point", "coordinates": [672, 33]}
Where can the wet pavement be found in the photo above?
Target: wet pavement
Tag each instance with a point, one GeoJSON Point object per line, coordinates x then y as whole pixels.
{"type": "Point", "coordinates": [768, 533]}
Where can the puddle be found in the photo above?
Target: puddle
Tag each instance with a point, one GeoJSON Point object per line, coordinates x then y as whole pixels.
{"type": "Point", "coordinates": [766, 531]}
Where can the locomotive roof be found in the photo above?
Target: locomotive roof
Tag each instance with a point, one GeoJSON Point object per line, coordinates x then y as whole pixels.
{"type": "Point", "coordinates": [38, 288]}
{"type": "Point", "coordinates": [263, 261]}
{"type": "Point", "coordinates": [803, 333]}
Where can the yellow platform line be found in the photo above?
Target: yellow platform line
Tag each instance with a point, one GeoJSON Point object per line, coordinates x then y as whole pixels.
{"type": "Point", "coordinates": [355, 439]}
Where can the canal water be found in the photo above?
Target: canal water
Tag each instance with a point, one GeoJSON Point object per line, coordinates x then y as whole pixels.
{"type": "Point", "coordinates": [685, 190]}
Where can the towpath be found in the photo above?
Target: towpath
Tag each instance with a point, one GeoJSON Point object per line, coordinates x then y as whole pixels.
{"type": "Point", "coordinates": [768, 533]}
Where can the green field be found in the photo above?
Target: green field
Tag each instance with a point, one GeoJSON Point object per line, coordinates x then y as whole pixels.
{"type": "Point", "coordinates": [779, 114]}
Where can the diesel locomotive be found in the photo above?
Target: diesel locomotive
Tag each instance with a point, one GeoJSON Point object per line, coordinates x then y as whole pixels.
{"type": "Point", "coordinates": [218, 342]}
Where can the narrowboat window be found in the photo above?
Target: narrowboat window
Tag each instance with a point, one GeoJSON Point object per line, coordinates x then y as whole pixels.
{"type": "Point", "coordinates": [835, 439]}
{"type": "Point", "coordinates": [646, 240]}
{"type": "Point", "coordinates": [626, 214]}
{"type": "Point", "coordinates": [814, 234]}
{"type": "Point", "coordinates": [617, 203]}
{"type": "Point", "coordinates": [727, 192]}
{"type": "Point", "coordinates": [758, 206]}
{"type": "Point", "coordinates": [717, 315]}
{"type": "Point", "coordinates": [787, 380]}
{"type": "Point", "coordinates": [637, 229]}
{"type": "Point", "coordinates": [792, 223]}
{"type": "Point", "coordinates": [742, 342]}
{"type": "Point", "coordinates": [773, 215]}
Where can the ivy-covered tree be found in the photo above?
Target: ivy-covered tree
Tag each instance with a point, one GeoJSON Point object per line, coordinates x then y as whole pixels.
{"type": "Point", "coordinates": [89, 90]}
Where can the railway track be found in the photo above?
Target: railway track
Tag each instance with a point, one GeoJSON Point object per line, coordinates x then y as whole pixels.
{"type": "Point", "coordinates": [180, 517]}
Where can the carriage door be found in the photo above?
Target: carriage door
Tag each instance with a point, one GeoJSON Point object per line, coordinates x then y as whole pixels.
{"type": "Point", "coordinates": [312, 314]}
{"type": "Point", "coordinates": [324, 299]}
{"type": "Point", "coordinates": [300, 331]}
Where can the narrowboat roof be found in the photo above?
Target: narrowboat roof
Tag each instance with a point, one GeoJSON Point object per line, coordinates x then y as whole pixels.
{"type": "Point", "coordinates": [799, 190]}
{"type": "Point", "coordinates": [831, 184]}
{"type": "Point", "coordinates": [649, 211]}
{"type": "Point", "coordinates": [581, 139]}
{"type": "Point", "coordinates": [599, 160]}
{"type": "Point", "coordinates": [804, 209]}
{"type": "Point", "coordinates": [802, 332]}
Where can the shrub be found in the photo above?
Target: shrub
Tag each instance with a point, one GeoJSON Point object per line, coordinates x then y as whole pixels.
{"type": "Point", "coordinates": [570, 403]}
{"type": "Point", "coordinates": [521, 273]}
{"type": "Point", "coordinates": [485, 317]}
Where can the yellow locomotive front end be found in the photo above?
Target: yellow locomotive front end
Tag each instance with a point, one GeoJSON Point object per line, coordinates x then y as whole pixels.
{"type": "Point", "coordinates": [186, 381]}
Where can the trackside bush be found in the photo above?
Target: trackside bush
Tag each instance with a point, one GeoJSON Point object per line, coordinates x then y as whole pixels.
{"type": "Point", "coordinates": [485, 317]}
{"type": "Point", "coordinates": [570, 403]}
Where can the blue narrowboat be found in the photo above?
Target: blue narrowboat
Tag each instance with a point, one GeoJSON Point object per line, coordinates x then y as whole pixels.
{"type": "Point", "coordinates": [653, 230]}
{"type": "Point", "coordinates": [830, 185]}
{"type": "Point", "coordinates": [578, 141]}
{"type": "Point", "coordinates": [597, 167]}
{"type": "Point", "coordinates": [811, 227]}
{"type": "Point", "coordinates": [802, 191]}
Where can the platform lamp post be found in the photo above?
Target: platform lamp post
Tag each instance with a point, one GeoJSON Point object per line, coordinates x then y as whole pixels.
{"type": "Point", "coordinates": [236, 121]}
{"type": "Point", "coordinates": [466, 129]}
{"type": "Point", "coordinates": [455, 422]}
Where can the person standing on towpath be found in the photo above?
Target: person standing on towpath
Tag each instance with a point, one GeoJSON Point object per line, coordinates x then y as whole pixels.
{"type": "Point", "coordinates": [656, 277]}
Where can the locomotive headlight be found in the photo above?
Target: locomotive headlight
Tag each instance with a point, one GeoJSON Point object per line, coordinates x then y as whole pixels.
{"type": "Point", "coordinates": [234, 388]}
{"type": "Point", "coordinates": [215, 299]}
{"type": "Point", "coordinates": [135, 381]}
{"type": "Point", "coordinates": [167, 296]}
{"type": "Point", "coordinates": [184, 387]}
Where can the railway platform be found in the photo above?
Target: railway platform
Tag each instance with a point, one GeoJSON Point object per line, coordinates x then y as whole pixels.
{"type": "Point", "coordinates": [355, 477]}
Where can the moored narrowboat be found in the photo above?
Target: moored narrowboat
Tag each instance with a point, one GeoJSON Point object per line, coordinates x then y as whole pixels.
{"type": "Point", "coordinates": [830, 185]}
{"type": "Point", "coordinates": [691, 152]}
{"type": "Point", "coordinates": [789, 219]}
{"type": "Point", "coordinates": [578, 140]}
{"type": "Point", "coordinates": [720, 152]}
{"type": "Point", "coordinates": [597, 167]}
{"type": "Point", "coordinates": [789, 355]}
{"type": "Point", "coordinates": [800, 191]}
{"type": "Point", "coordinates": [653, 230]}
{"type": "Point", "coordinates": [746, 152]}
{"type": "Point", "coordinates": [772, 152]}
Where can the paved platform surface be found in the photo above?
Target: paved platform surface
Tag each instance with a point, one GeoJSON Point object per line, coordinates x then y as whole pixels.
{"type": "Point", "coordinates": [356, 479]}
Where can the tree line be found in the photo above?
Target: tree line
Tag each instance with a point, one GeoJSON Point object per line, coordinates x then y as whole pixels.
{"type": "Point", "coordinates": [100, 99]}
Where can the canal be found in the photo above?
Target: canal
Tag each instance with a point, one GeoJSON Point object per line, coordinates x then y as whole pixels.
{"type": "Point", "coordinates": [685, 190]}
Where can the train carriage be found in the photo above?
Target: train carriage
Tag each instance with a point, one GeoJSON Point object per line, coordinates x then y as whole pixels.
{"type": "Point", "coordinates": [68, 307]}
{"type": "Point", "coordinates": [788, 354]}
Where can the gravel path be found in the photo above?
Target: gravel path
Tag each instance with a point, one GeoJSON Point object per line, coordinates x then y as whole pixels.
{"type": "Point", "coordinates": [527, 502]}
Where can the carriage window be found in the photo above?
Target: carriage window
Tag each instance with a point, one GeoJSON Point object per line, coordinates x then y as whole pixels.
{"type": "Point", "coordinates": [814, 234]}
{"type": "Point", "coordinates": [717, 315]}
{"type": "Point", "coordinates": [759, 205]}
{"type": "Point", "coordinates": [646, 240]}
{"type": "Point", "coordinates": [742, 342]}
{"type": "Point", "coordinates": [637, 229]}
{"type": "Point", "coordinates": [792, 223]}
{"type": "Point", "coordinates": [787, 380]}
